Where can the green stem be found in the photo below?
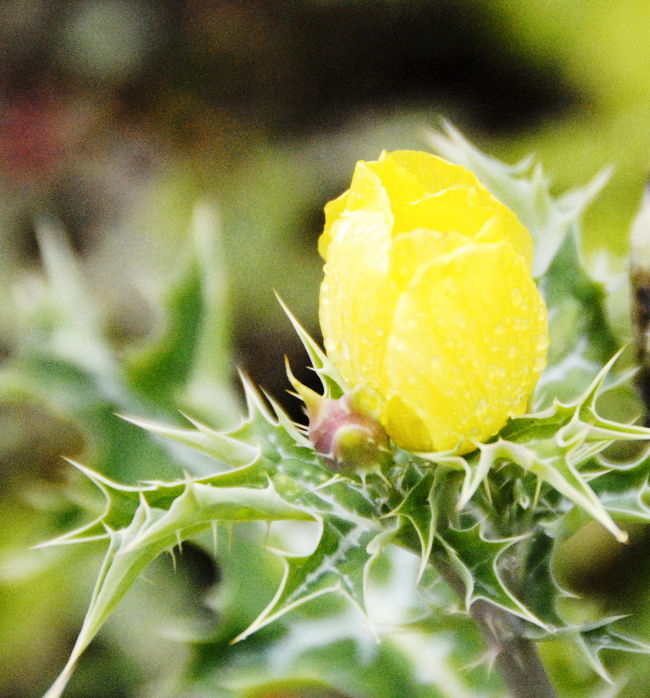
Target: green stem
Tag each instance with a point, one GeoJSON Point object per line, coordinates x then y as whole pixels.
{"type": "Point", "coordinates": [516, 658]}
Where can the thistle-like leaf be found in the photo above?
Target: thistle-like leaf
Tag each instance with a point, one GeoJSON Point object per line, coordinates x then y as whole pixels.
{"type": "Point", "coordinates": [419, 508]}
{"type": "Point", "coordinates": [153, 530]}
{"type": "Point", "coordinates": [626, 493]}
{"type": "Point", "coordinates": [339, 563]}
{"type": "Point", "coordinates": [480, 558]}
{"type": "Point", "coordinates": [332, 381]}
{"type": "Point", "coordinates": [271, 476]}
{"type": "Point", "coordinates": [604, 636]}
{"type": "Point", "coordinates": [221, 447]}
{"type": "Point", "coordinates": [581, 340]}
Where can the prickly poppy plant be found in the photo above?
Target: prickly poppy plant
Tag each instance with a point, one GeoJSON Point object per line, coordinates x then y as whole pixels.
{"type": "Point", "coordinates": [467, 423]}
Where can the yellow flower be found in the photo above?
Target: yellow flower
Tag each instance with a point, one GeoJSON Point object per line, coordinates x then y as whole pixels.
{"type": "Point", "coordinates": [428, 308]}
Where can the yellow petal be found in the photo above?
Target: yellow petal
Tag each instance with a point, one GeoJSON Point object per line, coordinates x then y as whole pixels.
{"type": "Point", "coordinates": [366, 193]}
{"type": "Point", "coordinates": [357, 302]}
{"type": "Point", "coordinates": [428, 192]}
{"type": "Point", "coordinates": [432, 173]}
{"type": "Point", "coordinates": [506, 226]}
{"type": "Point", "coordinates": [410, 251]}
{"type": "Point", "coordinates": [333, 211]}
{"type": "Point", "coordinates": [458, 209]}
{"type": "Point", "coordinates": [466, 348]}
{"type": "Point", "coordinates": [400, 185]}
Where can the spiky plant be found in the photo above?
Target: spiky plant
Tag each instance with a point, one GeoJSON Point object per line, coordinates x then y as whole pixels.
{"type": "Point", "coordinates": [484, 527]}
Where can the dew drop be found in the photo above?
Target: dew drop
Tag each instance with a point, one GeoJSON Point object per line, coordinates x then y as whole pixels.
{"type": "Point", "coordinates": [435, 363]}
{"type": "Point", "coordinates": [539, 363]}
{"type": "Point", "coordinates": [512, 351]}
{"type": "Point", "coordinates": [499, 329]}
{"type": "Point", "coordinates": [542, 342]}
{"type": "Point", "coordinates": [480, 405]}
{"type": "Point", "coordinates": [516, 401]}
{"type": "Point", "coordinates": [516, 296]}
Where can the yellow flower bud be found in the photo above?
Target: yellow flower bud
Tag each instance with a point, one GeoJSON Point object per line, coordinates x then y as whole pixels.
{"type": "Point", "coordinates": [428, 308]}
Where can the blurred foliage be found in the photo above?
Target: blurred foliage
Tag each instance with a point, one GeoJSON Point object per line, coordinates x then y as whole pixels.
{"type": "Point", "coordinates": [117, 117]}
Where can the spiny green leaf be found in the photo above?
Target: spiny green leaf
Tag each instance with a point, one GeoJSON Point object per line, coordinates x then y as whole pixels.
{"type": "Point", "coordinates": [339, 563]}
{"type": "Point", "coordinates": [220, 446]}
{"type": "Point", "coordinates": [200, 505]}
{"type": "Point", "coordinates": [489, 456]}
{"type": "Point", "coordinates": [605, 636]}
{"type": "Point", "coordinates": [577, 421]}
{"type": "Point", "coordinates": [333, 383]}
{"type": "Point", "coordinates": [545, 460]}
{"type": "Point", "coordinates": [121, 501]}
{"type": "Point", "coordinates": [419, 508]}
{"type": "Point", "coordinates": [554, 443]}
{"type": "Point", "coordinates": [154, 530]}
{"type": "Point", "coordinates": [626, 494]}
{"type": "Point", "coordinates": [114, 578]}
{"type": "Point", "coordinates": [270, 474]}
{"type": "Point", "coordinates": [538, 588]}
{"type": "Point", "coordinates": [581, 340]}
{"type": "Point", "coordinates": [479, 559]}
{"type": "Point", "coordinates": [562, 476]}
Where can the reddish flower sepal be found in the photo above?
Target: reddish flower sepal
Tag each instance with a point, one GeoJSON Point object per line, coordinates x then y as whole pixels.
{"type": "Point", "coordinates": [347, 440]}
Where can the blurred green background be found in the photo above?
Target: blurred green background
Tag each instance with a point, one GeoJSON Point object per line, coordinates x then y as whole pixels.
{"type": "Point", "coordinates": [116, 119]}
